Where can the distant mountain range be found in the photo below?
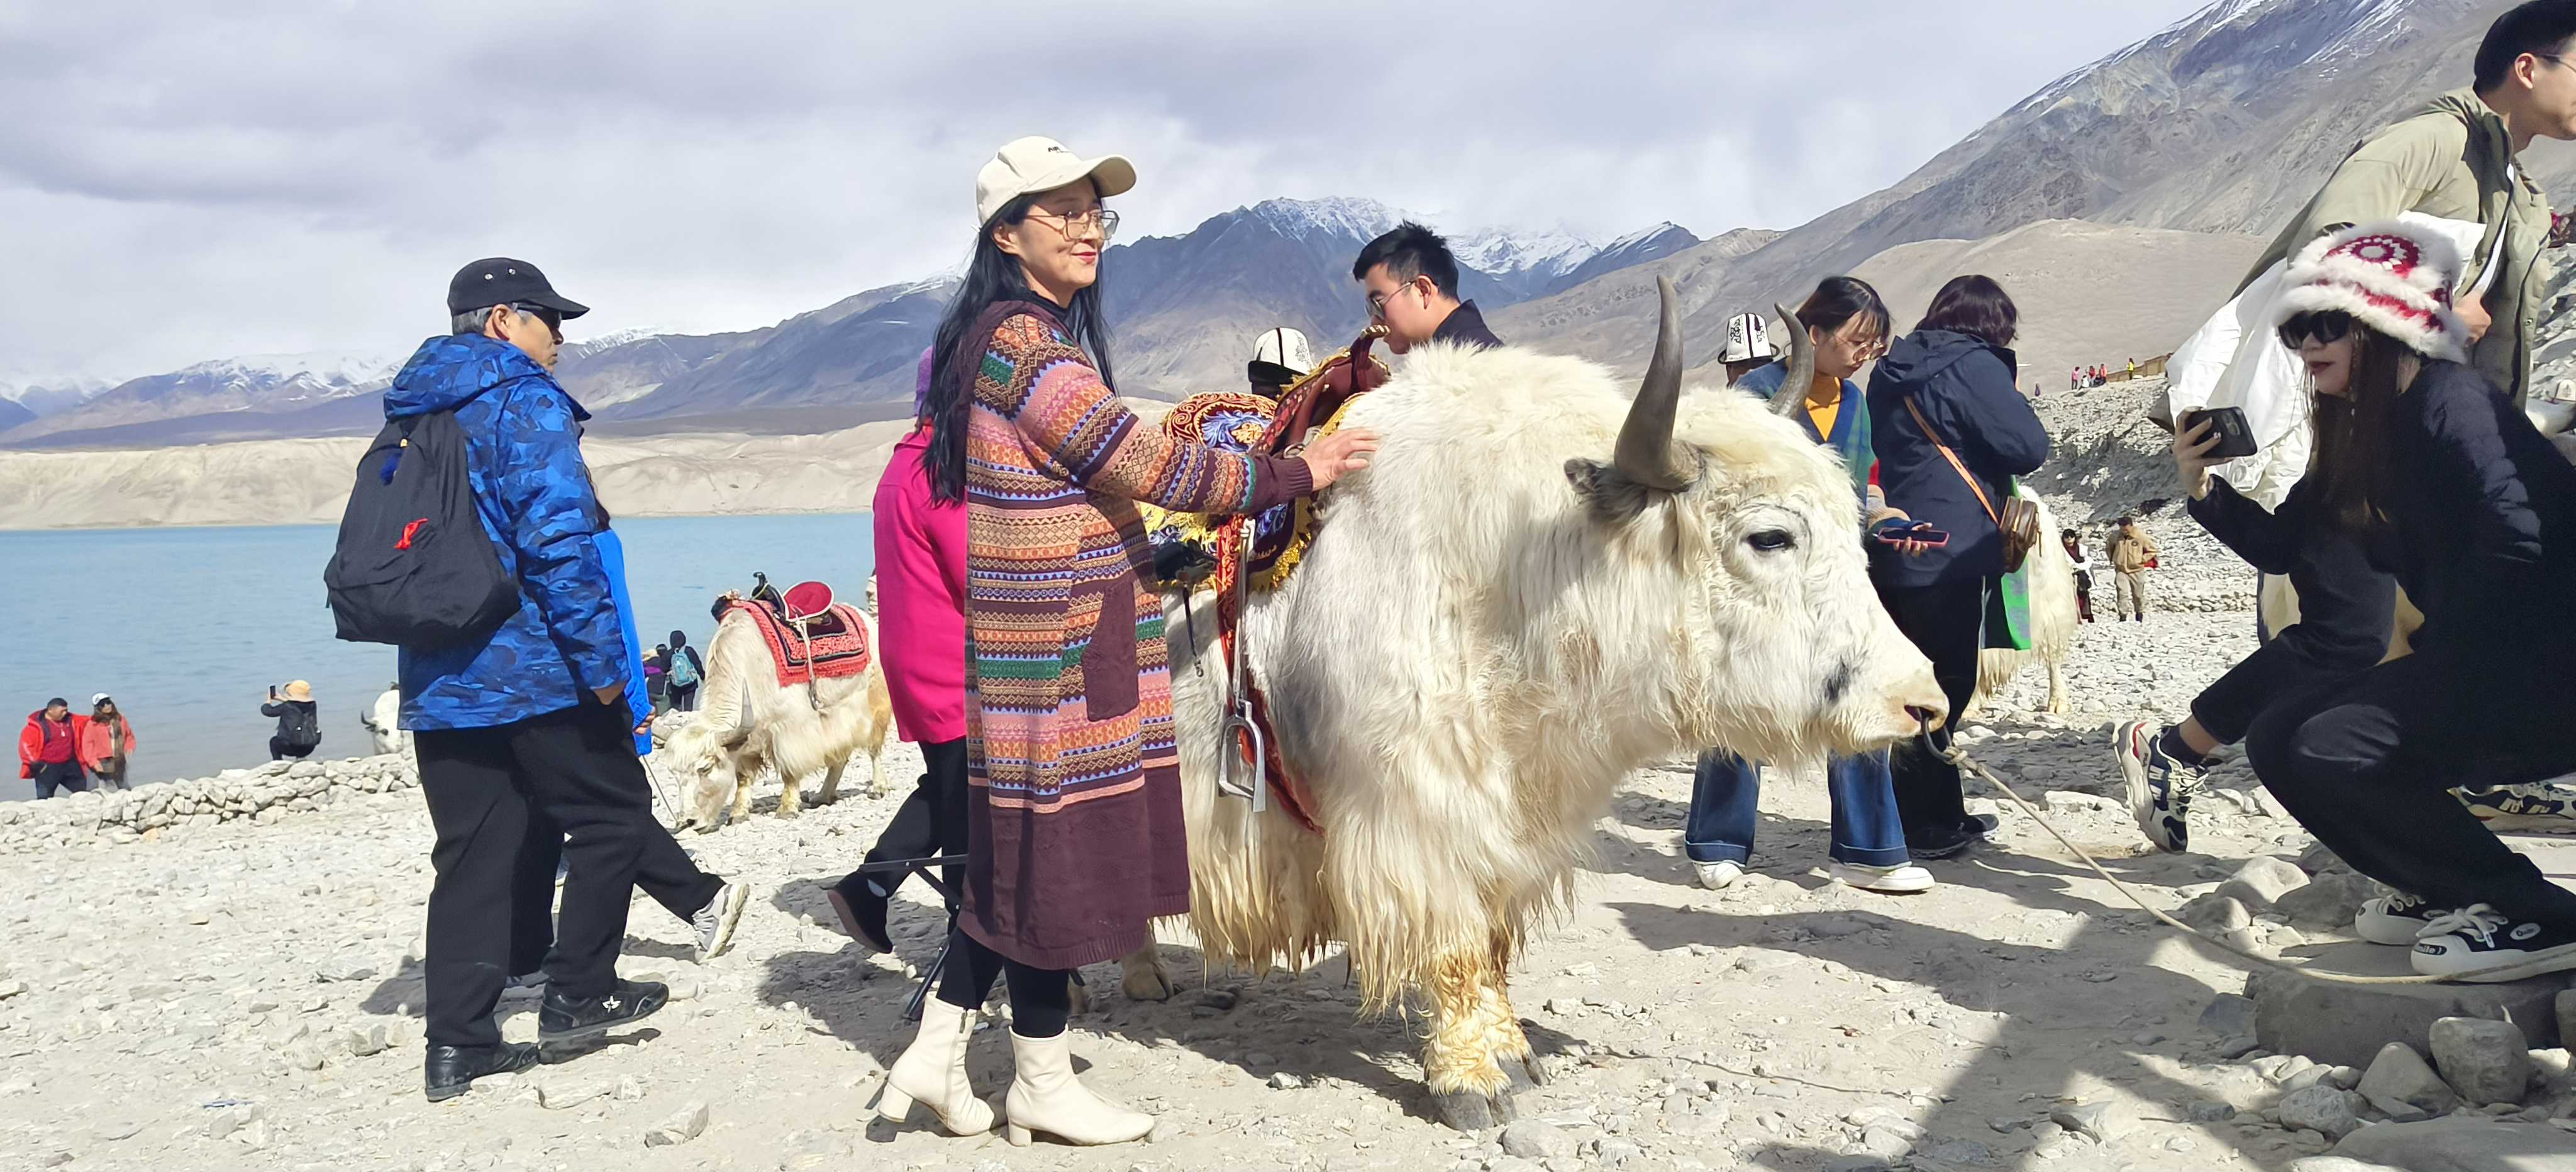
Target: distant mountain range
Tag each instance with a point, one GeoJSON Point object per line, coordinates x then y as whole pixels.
{"type": "Point", "coordinates": [2223, 123]}
{"type": "Point", "coordinates": [1184, 307]}
{"type": "Point", "coordinates": [2213, 129]}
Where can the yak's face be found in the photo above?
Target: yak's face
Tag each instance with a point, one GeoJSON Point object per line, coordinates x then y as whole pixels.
{"type": "Point", "coordinates": [1789, 651]}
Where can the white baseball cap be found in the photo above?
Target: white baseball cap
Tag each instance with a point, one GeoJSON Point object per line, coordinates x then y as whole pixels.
{"type": "Point", "coordinates": [99, 699]}
{"type": "Point", "coordinates": [1281, 347]}
{"type": "Point", "coordinates": [1748, 337]}
{"type": "Point", "coordinates": [1026, 166]}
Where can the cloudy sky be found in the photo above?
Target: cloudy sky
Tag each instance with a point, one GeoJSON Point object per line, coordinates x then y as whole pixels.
{"type": "Point", "coordinates": [183, 182]}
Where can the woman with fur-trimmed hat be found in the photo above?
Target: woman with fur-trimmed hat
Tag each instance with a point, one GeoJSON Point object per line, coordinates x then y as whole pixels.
{"type": "Point", "coordinates": [2445, 484]}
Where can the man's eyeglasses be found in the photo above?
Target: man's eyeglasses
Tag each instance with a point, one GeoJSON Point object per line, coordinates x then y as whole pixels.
{"type": "Point", "coordinates": [1101, 218]}
{"type": "Point", "coordinates": [552, 318]}
{"type": "Point", "coordinates": [2327, 326]}
{"type": "Point", "coordinates": [1377, 301]}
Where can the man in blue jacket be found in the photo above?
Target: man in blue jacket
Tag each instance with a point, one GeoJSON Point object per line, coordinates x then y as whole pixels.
{"type": "Point", "coordinates": [533, 717]}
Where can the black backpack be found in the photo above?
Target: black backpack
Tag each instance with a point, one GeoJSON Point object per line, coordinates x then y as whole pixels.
{"type": "Point", "coordinates": [414, 566]}
{"type": "Point", "coordinates": [299, 725]}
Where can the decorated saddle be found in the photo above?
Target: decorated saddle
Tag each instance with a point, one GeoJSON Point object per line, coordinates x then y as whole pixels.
{"type": "Point", "coordinates": [810, 637]}
{"type": "Point", "coordinates": [1195, 551]}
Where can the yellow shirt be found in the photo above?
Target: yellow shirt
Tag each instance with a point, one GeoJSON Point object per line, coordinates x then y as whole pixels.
{"type": "Point", "coordinates": [1823, 413]}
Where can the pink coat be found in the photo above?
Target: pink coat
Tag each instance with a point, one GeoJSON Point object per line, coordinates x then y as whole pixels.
{"type": "Point", "coordinates": [921, 597]}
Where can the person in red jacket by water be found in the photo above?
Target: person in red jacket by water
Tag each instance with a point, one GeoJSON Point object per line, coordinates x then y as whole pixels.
{"type": "Point", "coordinates": [48, 749]}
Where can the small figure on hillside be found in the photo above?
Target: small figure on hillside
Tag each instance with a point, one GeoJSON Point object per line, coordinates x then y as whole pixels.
{"type": "Point", "coordinates": [2133, 553]}
{"type": "Point", "coordinates": [106, 741]}
{"type": "Point", "coordinates": [48, 749]}
{"type": "Point", "coordinates": [2083, 575]}
{"type": "Point", "coordinates": [299, 722]}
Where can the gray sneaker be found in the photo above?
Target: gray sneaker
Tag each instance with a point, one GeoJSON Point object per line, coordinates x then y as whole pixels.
{"type": "Point", "coordinates": [715, 922]}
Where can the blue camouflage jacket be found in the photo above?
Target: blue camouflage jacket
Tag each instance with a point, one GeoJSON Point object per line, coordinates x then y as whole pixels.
{"type": "Point", "coordinates": [523, 449]}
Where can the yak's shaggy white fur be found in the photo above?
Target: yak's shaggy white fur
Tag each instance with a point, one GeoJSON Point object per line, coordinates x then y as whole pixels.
{"type": "Point", "coordinates": [1491, 630]}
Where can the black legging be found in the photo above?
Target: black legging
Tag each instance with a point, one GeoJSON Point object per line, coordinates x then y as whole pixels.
{"type": "Point", "coordinates": [684, 697]}
{"type": "Point", "coordinates": [932, 818]}
{"type": "Point", "coordinates": [2365, 763]}
{"type": "Point", "coordinates": [1041, 999]}
{"type": "Point", "coordinates": [1946, 622]}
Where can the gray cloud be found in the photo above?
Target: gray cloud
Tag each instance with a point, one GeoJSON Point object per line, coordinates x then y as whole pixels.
{"type": "Point", "coordinates": [191, 181]}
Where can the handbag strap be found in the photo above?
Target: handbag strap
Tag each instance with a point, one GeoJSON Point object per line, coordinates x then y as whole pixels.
{"type": "Point", "coordinates": [1955, 465]}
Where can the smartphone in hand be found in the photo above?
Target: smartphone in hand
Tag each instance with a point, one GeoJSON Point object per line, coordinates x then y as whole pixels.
{"type": "Point", "coordinates": [2235, 436]}
{"type": "Point", "coordinates": [1895, 532]}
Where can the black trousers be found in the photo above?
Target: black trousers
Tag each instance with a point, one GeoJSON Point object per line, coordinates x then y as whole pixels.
{"type": "Point", "coordinates": [279, 750]}
{"type": "Point", "coordinates": [684, 697]}
{"type": "Point", "coordinates": [1946, 622]}
{"type": "Point", "coordinates": [576, 767]}
{"type": "Point", "coordinates": [931, 820]}
{"type": "Point", "coordinates": [2345, 608]}
{"type": "Point", "coordinates": [2365, 763]}
{"type": "Point", "coordinates": [1041, 999]}
{"type": "Point", "coordinates": [60, 775]}
{"type": "Point", "coordinates": [664, 871]}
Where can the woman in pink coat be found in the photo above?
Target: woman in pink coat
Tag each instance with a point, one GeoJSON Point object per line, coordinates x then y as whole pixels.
{"type": "Point", "coordinates": [921, 632]}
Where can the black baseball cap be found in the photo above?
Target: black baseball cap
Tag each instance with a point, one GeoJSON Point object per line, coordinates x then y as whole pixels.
{"type": "Point", "coordinates": [499, 280]}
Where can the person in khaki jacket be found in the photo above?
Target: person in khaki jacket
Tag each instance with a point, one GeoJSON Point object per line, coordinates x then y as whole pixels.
{"type": "Point", "coordinates": [2456, 158]}
{"type": "Point", "coordinates": [2133, 553]}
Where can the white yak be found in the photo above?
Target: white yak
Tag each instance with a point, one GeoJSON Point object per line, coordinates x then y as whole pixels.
{"type": "Point", "coordinates": [746, 720]}
{"type": "Point", "coordinates": [2052, 621]}
{"type": "Point", "coordinates": [1536, 588]}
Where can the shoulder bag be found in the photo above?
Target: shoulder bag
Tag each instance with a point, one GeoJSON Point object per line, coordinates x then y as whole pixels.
{"type": "Point", "coordinates": [2019, 520]}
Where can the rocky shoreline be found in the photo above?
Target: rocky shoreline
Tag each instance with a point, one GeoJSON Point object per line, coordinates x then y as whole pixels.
{"type": "Point", "coordinates": [262, 796]}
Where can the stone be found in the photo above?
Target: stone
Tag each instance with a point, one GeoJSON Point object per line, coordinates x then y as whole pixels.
{"type": "Point", "coordinates": [557, 1095]}
{"type": "Point", "coordinates": [1284, 1081]}
{"type": "Point", "coordinates": [2216, 912]}
{"type": "Point", "coordinates": [2091, 1120]}
{"type": "Point", "coordinates": [2565, 1013]}
{"type": "Point", "coordinates": [688, 1124]}
{"type": "Point", "coordinates": [2229, 1016]}
{"type": "Point", "coordinates": [1537, 1139]}
{"type": "Point", "coordinates": [2401, 1084]}
{"type": "Point", "coordinates": [2462, 1145]}
{"type": "Point", "coordinates": [2328, 901]}
{"type": "Point", "coordinates": [1856, 1163]}
{"type": "Point", "coordinates": [9, 989]}
{"type": "Point", "coordinates": [2207, 1111]}
{"type": "Point", "coordinates": [629, 1088]}
{"type": "Point", "coordinates": [2263, 881]}
{"type": "Point", "coordinates": [1961, 1151]}
{"type": "Point", "coordinates": [2326, 1110]}
{"type": "Point", "coordinates": [1615, 1152]}
{"type": "Point", "coordinates": [1887, 1143]}
{"type": "Point", "coordinates": [2345, 1024]}
{"type": "Point", "coordinates": [2485, 1061]}
{"type": "Point", "coordinates": [2071, 802]}
{"type": "Point", "coordinates": [2337, 1164]}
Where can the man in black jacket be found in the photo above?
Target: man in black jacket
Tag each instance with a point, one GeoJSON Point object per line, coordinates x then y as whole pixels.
{"type": "Point", "coordinates": [1412, 283]}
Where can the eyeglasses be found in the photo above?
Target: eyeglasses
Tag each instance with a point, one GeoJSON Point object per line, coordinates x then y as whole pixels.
{"type": "Point", "coordinates": [2325, 325]}
{"type": "Point", "coordinates": [1377, 301]}
{"type": "Point", "coordinates": [552, 317]}
{"type": "Point", "coordinates": [1101, 218]}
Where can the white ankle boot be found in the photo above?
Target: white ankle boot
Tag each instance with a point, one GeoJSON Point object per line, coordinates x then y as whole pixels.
{"type": "Point", "coordinates": [932, 1072]}
{"type": "Point", "coordinates": [1045, 1096]}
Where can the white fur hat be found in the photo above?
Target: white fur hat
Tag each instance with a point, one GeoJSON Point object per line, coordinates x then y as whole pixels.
{"type": "Point", "coordinates": [2392, 277]}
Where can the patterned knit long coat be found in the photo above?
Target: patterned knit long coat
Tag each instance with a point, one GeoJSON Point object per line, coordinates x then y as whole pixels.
{"type": "Point", "coordinates": [1074, 821]}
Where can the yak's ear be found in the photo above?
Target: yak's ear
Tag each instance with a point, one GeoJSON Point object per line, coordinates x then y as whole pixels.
{"type": "Point", "coordinates": [1610, 497]}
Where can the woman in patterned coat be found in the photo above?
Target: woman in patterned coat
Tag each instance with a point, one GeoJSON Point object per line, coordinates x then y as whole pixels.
{"type": "Point", "coordinates": [1075, 839]}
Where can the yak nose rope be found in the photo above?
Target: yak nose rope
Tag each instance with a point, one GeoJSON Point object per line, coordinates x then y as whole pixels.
{"type": "Point", "coordinates": [1959, 757]}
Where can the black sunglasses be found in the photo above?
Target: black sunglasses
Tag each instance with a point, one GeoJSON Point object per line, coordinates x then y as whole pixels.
{"type": "Point", "coordinates": [552, 317]}
{"type": "Point", "coordinates": [2324, 325]}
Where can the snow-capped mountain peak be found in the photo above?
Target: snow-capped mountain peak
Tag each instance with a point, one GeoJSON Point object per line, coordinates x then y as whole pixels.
{"type": "Point", "coordinates": [341, 368]}
{"type": "Point", "coordinates": [1331, 216]}
{"type": "Point", "coordinates": [1546, 254]}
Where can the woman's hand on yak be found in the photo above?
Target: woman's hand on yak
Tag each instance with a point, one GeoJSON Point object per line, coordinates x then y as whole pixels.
{"type": "Point", "coordinates": [2191, 455]}
{"type": "Point", "coordinates": [1339, 454]}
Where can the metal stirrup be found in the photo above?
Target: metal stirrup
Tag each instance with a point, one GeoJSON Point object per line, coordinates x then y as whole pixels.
{"type": "Point", "coordinates": [1239, 721]}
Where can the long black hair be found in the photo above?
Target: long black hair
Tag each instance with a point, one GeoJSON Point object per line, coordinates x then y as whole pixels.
{"type": "Point", "coordinates": [993, 275]}
{"type": "Point", "coordinates": [2352, 445]}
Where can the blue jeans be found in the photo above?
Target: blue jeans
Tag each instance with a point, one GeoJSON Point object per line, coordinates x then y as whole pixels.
{"type": "Point", "coordinates": [1728, 789]}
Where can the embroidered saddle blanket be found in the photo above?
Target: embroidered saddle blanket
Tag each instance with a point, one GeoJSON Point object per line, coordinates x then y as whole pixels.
{"type": "Point", "coordinates": [832, 645]}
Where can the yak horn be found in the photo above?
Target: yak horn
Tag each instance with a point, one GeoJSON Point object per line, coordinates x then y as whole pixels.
{"type": "Point", "coordinates": [1802, 367]}
{"type": "Point", "coordinates": [1645, 454]}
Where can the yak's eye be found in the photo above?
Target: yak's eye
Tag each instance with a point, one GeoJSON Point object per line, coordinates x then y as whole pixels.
{"type": "Point", "coordinates": [1771, 540]}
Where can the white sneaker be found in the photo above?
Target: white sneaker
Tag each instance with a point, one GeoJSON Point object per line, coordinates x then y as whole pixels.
{"type": "Point", "coordinates": [2394, 920]}
{"type": "Point", "coordinates": [1901, 879]}
{"type": "Point", "coordinates": [1718, 876]}
{"type": "Point", "coordinates": [715, 922]}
